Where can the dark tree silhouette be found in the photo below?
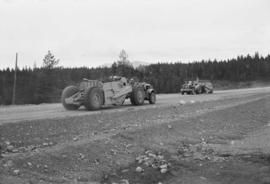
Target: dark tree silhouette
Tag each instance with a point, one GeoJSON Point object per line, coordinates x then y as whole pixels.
{"type": "Point", "coordinates": [44, 84]}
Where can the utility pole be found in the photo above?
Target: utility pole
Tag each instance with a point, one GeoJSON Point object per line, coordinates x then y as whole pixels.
{"type": "Point", "coordinates": [15, 80]}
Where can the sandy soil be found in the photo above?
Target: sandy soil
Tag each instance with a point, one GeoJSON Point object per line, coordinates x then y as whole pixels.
{"type": "Point", "coordinates": [218, 138]}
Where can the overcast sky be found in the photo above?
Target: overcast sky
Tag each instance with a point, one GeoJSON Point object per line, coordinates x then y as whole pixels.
{"type": "Point", "coordinates": [92, 32]}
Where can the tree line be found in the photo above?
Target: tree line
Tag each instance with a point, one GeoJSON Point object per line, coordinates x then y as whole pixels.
{"type": "Point", "coordinates": [45, 84]}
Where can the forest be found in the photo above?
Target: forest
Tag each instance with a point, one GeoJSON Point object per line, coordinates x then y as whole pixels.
{"type": "Point", "coordinates": [44, 84]}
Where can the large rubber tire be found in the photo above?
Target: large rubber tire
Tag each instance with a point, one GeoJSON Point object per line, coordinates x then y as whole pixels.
{"type": "Point", "coordinates": [198, 90]}
{"type": "Point", "coordinates": [68, 92]}
{"type": "Point", "coordinates": [204, 90]}
{"type": "Point", "coordinates": [137, 96]}
{"type": "Point", "coordinates": [152, 98]}
{"type": "Point", "coordinates": [93, 99]}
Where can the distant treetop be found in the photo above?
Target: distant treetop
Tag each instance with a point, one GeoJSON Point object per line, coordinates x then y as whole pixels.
{"type": "Point", "coordinates": [49, 61]}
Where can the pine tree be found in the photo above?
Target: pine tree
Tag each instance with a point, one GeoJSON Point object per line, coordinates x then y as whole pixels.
{"type": "Point", "coordinates": [49, 61]}
{"type": "Point", "coordinates": [124, 66]}
{"type": "Point", "coordinates": [46, 80]}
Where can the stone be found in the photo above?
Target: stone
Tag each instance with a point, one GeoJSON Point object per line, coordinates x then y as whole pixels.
{"type": "Point", "coordinates": [15, 151]}
{"type": "Point", "coordinates": [203, 178]}
{"type": "Point", "coordinates": [16, 171]}
{"type": "Point", "coordinates": [139, 169]}
{"type": "Point", "coordinates": [160, 157]}
{"type": "Point", "coordinates": [125, 170]}
{"type": "Point", "coordinates": [45, 144]}
{"type": "Point", "coordinates": [75, 138]}
{"type": "Point", "coordinates": [148, 151]}
{"type": "Point", "coordinates": [81, 156]}
{"type": "Point", "coordinates": [151, 155]}
{"type": "Point", "coordinates": [182, 102]}
{"type": "Point", "coordinates": [29, 164]}
{"type": "Point", "coordinates": [124, 181]}
{"type": "Point", "coordinates": [164, 166]}
{"type": "Point", "coordinates": [97, 161]}
{"type": "Point", "coordinates": [22, 149]}
{"type": "Point", "coordinates": [82, 179]}
{"type": "Point", "coordinates": [163, 171]}
{"type": "Point", "coordinates": [10, 148]}
{"type": "Point", "coordinates": [129, 145]}
{"type": "Point", "coordinates": [9, 163]}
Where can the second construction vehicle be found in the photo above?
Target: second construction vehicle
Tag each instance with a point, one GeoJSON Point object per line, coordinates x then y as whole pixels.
{"type": "Point", "coordinates": [197, 87]}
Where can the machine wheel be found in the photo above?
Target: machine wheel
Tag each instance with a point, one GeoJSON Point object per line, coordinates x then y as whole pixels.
{"type": "Point", "coordinates": [198, 91]}
{"type": "Point", "coordinates": [152, 98]}
{"type": "Point", "coordinates": [137, 96]}
{"type": "Point", "coordinates": [93, 98]}
{"type": "Point", "coordinates": [68, 92]}
{"type": "Point", "coordinates": [204, 89]}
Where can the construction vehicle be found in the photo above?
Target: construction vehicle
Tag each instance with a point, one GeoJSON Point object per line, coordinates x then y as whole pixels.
{"type": "Point", "coordinates": [197, 87]}
{"type": "Point", "coordinates": [95, 94]}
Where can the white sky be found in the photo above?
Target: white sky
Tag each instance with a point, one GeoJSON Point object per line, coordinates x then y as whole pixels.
{"type": "Point", "coordinates": [92, 32]}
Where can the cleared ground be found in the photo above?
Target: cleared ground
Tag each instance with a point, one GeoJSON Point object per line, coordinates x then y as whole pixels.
{"type": "Point", "coordinates": [217, 138]}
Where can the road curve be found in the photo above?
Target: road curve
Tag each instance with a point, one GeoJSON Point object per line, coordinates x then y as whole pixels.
{"type": "Point", "coordinates": [17, 113]}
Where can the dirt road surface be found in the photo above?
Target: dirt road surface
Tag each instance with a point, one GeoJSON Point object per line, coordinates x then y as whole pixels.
{"type": "Point", "coordinates": [52, 111]}
{"type": "Point", "coordinates": [217, 138]}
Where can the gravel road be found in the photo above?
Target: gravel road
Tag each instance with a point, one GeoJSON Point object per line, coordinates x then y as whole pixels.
{"type": "Point", "coordinates": [50, 111]}
{"type": "Point", "coordinates": [217, 138]}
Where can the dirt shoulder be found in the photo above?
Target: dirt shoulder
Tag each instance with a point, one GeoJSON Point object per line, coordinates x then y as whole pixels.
{"type": "Point", "coordinates": [186, 139]}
